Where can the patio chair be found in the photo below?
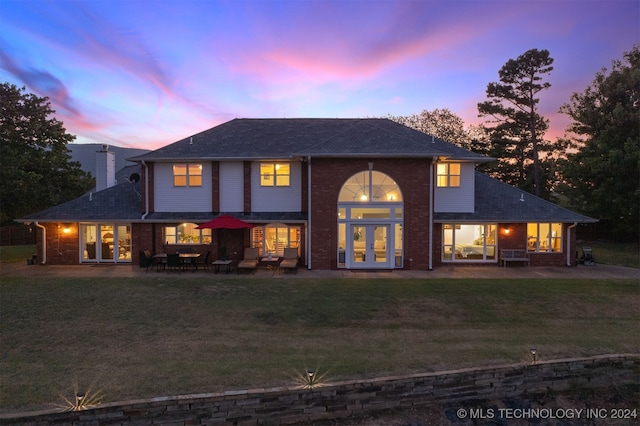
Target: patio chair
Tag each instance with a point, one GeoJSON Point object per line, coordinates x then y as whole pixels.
{"type": "Point", "coordinates": [250, 260]}
{"type": "Point", "coordinates": [173, 262]}
{"type": "Point", "coordinates": [289, 260]}
{"type": "Point", "coordinates": [204, 261]}
{"type": "Point", "coordinates": [146, 260]}
{"type": "Point", "coordinates": [587, 256]}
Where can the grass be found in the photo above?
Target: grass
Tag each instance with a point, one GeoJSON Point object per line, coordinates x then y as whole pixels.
{"type": "Point", "coordinates": [158, 336]}
{"type": "Point", "coordinates": [615, 253]}
{"type": "Point", "coordinates": [14, 254]}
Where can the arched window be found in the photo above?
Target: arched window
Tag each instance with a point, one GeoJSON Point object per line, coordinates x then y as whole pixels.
{"type": "Point", "coordinates": [370, 186]}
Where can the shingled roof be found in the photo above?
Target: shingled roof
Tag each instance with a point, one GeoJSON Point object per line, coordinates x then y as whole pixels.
{"type": "Point", "coordinates": [496, 201]}
{"type": "Point", "coordinates": [118, 203]}
{"type": "Point", "coordinates": [246, 139]}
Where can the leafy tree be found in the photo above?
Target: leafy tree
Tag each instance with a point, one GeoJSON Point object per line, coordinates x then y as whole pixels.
{"type": "Point", "coordinates": [36, 171]}
{"type": "Point", "coordinates": [445, 125]}
{"type": "Point", "coordinates": [516, 128]}
{"type": "Point", "coordinates": [603, 173]}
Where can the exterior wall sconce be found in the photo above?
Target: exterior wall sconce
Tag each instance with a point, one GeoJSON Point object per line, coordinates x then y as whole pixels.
{"type": "Point", "coordinates": [507, 230]}
{"type": "Point", "coordinates": [534, 355]}
{"type": "Point", "coordinates": [66, 229]}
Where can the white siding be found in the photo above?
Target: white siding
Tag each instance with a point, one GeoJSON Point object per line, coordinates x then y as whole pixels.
{"type": "Point", "coordinates": [168, 198]}
{"type": "Point", "coordinates": [232, 186]}
{"type": "Point", "coordinates": [457, 200]}
{"type": "Point", "coordinates": [276, 198]}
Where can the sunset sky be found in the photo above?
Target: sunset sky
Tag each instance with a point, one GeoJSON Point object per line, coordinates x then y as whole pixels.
{"type": "Point", "coordinates": [144, 74]}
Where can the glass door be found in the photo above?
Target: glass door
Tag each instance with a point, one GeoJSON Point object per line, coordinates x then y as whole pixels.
{"type": "Point", "coordinates": [107, 236]}
{"type": "Point", "coordinates": [370, 248]}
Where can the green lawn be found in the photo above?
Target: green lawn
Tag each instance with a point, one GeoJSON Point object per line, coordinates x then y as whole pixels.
{"type": "Point", "coordinates": [158, 336]}
{"type": "Point", "coordinates": [613, 253]}
{"type": "Point", "coordinates": [13, 254]}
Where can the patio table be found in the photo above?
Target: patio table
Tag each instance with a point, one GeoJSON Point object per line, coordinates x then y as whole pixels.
{"type": "Point", "coordinates": [217, 263]}
{"type": "Point", "coordinates": [185, 258]}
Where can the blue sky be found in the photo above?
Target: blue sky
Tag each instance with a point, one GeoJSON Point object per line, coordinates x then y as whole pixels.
{"type": "Point", "coordinates": [144, 74]}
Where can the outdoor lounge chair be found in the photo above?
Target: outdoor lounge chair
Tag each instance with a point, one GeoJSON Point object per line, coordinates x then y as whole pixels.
{"type": "Point", "coordinates": [250, 260]}
{"type": "Point", "coordinates": [289, 260]}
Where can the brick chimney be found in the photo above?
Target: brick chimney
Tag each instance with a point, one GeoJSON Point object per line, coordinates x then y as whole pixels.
{"type": "Point", "coordinates": [105, 168]}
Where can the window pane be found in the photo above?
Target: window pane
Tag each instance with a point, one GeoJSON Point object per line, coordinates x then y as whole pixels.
{"type": "Point", "coordinates": [257, 239]}
{"type": "Point", "coordinates": [282, 180]}
{"type": "Point", "coordinates": [282, 169]}
{"type": "Point", "coordinates": [447, 252]}
{"type": "Point", "coordinates": [454, 180]}
{"type": "Point", "coordinates": [556, 237]}
{"type": "Point", "coordinates": [342, 243]}
{"type": "Point", "coordinates": [266, 175]}
{"type": "Point", "coordinates": [124, 241]}
{"type": "Point", "coordinates": [89, 233]}
{"type": "Point", "coordinates": [356, 188]}
{"type": "Point", "coordinates": [180, 181]}
{"type": "Point", "coordinates": [491, 241]}
{"type": "Point", "coordinates": [294, 237]}
{"type": "Point", "coordinates": [195, 180]}
{"type": "Point", "coordinates": [544, 236]}
{"type": "Point", "coordinates": [170, 235]}
{"type": "Point", "coordinates": [398, 245]}
{"type": "Point", "coordinates": [532, 236]}
{"type": "Point", "coordinates": [370, 213]}
{"type": "Point", "coordinates": [454, 169]}
{"type": "Point", "coordinates": [195, 169]}
{"type": "Point", "coordinates": [442, 181]}
{"type": "Point", "coordinates": [180, 169]}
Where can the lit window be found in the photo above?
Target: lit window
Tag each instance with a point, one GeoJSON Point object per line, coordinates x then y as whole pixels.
{"type": "Point", "coordinates": [274, 238]}
{"type": "Point", "coordinates": [544, 237]}
{"type": "Point", "coordinates": [469, 242]}
{"type": "Point", "coordinates": [370, 186]}
{"type": "Point", "coordinates": [275, 174]}
{"type": "Point", "coordinates": [448, 175]}
{"type": "Point", "coordinates": [187, 174]}
{"type": "Point", "coordinates": [186, 233]}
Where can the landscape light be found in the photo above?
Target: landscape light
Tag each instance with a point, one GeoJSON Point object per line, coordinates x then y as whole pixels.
{"type": "Point", "coordinates": [79, 398]}
{"type": "Point", "coordinates": [534, 355]}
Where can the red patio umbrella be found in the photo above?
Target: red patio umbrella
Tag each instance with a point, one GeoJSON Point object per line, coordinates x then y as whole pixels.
{"type": "Point", "coordinates": [225, 222]}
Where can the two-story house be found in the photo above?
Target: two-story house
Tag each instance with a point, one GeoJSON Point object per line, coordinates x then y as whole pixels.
{"type": "Point", "coordinates": [347, 193]}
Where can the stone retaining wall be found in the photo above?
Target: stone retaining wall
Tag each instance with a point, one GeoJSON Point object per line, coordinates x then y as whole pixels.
{"type": "Point", "coordinates": [288, 405]}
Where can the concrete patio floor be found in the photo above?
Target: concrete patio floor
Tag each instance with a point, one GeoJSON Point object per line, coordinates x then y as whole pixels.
{"type": "Point", "coordinates": [598, 271]}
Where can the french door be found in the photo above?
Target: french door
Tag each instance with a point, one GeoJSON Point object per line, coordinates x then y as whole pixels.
{"type": "Point", "coordinates": [370, 248]}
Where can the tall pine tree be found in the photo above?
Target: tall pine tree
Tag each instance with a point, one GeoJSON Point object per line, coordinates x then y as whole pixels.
{"type": "Point", "coordinates": [515, 126]}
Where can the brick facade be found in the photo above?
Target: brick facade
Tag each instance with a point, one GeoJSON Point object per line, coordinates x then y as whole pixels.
{"type": "Point", "coordinates": [328, 175]}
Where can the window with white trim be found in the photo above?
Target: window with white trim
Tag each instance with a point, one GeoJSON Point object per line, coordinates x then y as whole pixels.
{"type": "Point", "coordinates": [448, 175]}
{"type": "Point", "coordinates": [189, 174]}
{"type": "Point", "coordinates": [469, 242]}
{"type": "Point", "coordinates": [274, 238]}
{"type": "Point", "coordinates": [544, 237]}
{"type": "Point", "coordinates": [186, 233]}
{"type": "Point", "coordinates": [275, 174]}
